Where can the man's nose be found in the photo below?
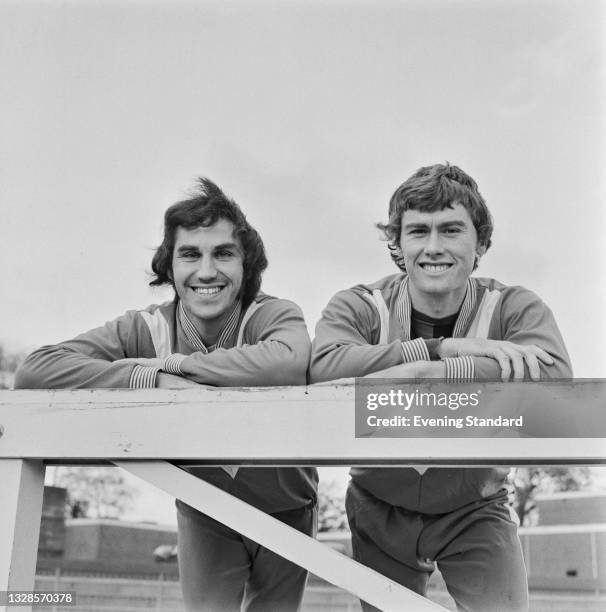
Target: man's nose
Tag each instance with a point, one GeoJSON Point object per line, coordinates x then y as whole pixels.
{"type": "Point", "coordinates": [207, 270]}
{"type": "Point", "coordinates": [434, 243]}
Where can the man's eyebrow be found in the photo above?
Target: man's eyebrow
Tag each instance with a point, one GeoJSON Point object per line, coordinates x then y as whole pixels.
{"type": "Point", "coordinates": [187, 247]}
{"type": "Point", "coordinates": [184, 248]}
{"type": "Point", "coordinates": [453, 223]}
{"type": "Point", "coordinates": [227, 245]}
{"type": "Point", "coordinates": [425, 224]}
{"type": "Point", "coordinates": [416, 225]}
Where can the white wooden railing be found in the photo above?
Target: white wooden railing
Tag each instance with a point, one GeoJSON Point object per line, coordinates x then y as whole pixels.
{"type": "Point", "coordinates": [138, 429]}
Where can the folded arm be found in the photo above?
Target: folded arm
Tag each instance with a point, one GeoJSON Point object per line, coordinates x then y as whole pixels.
{"type": "Point", "coordinates": [120, 355]}
{"type": "Point", "coordinates": [275, 351]}
{"type": "Point", "coordinates": [91, 360]}
{"type": "Point", "coordinates": [347, 336]}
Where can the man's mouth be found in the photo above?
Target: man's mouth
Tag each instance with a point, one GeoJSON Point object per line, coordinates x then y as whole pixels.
{"type": "Point", "coordinates": [207, 291]}
{"type": "Point", "coordinates": [435, 268]}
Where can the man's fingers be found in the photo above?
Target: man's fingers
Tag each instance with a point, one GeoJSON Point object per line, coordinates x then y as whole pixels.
{"type": "Point", "coordinates": [532, 355]}
{"type": "Point", "coordinates": [511, 357]}
{"type": "Point", "coordinates": [505, 364]}
{"type": "Point", "coordinates": [519, 355]}
{"type": "Point", "coordinates": [517, 362]}
{"type": "Point", "coordinates": [533, 366]}
{"type": "Point", "coordinates": [543, 356]}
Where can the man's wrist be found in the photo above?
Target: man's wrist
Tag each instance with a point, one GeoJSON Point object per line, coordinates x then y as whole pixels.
{"type": "Point", "coordinates": [431, 369]}
{"type": "Point", "coordinates": [173, 363]}
{"type": "Point", "coordinates": [143, 377]}
{"type": "Point", "coordinates": [459, 369]}
{"type": "Point", "coordinates": [414, 351]}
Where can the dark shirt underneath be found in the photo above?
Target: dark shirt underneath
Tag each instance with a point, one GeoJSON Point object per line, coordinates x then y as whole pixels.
{"type": "Point", "coordinates": [424, 326]}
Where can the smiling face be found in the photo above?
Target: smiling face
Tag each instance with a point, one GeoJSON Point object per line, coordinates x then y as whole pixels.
{"type": "Point", "coordinates": [207, 271]}
{"type": "Point", "coordinates": [440, 250]}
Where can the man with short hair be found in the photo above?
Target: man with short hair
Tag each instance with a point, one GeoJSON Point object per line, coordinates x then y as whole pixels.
{"type": "Point", "coordinates": [434, 320]}
{"type": "Point", "coordinates": [219, 330]}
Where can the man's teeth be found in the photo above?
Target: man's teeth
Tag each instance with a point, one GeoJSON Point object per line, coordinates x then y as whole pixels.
{"type": "Point", "coordinates": [436, 267]}
{"type": "Point", "coordinates": [207, 290]}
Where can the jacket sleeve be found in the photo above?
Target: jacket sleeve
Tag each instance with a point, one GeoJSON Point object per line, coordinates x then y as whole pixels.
{"type": "Point", "coordinates": [275, 352]}
{"type": "Point", "coordinates": [91, 360]}
{"type": "Point", "coordinates": [523, 318]}
{"type": "Point", "coordinates": [345, 343]}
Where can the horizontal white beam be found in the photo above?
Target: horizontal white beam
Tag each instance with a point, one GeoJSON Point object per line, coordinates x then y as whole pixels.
{"type": "Point", "coordinates": [282, 539]}
{"type": "Point", "coordinates": [291, 425]}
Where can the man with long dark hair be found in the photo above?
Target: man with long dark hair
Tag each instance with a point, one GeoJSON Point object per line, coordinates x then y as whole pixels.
{"type": "Point", "coordinates": [219, 330]}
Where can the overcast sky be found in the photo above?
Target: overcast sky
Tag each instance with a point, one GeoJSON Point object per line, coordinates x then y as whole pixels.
{"type": "Point", "coordinates": [309, 114]}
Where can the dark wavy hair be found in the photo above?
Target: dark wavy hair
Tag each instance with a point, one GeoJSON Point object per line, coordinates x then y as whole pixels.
{"type": "Point", "coordinates": [433, 188]}
{"type": "Point", "coordinates": [207, 205]}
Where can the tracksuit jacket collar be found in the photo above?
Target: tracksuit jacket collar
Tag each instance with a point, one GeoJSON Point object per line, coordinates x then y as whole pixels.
{"type": "Point", "coordinates": [193, 336]}
{"type": "Point", "coordinates": [466, 313]}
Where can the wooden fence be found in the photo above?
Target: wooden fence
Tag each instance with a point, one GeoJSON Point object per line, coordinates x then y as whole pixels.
{"type": "Point", "coordinates": [138, 429]}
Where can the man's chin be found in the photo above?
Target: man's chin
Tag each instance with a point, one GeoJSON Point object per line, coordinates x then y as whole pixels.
{"type": "Point", "coordinates": [207, 312]}
{"type": "Point", "coordinates": [210, 313]}
{"type": "Point", "coordinates": [432, 286]}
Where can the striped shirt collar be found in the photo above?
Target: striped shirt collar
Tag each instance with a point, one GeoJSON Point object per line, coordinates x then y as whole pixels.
{"type": "Point", "coordinates": [404, 306]}
{"type": "Point", "coordinates": [193, 336]}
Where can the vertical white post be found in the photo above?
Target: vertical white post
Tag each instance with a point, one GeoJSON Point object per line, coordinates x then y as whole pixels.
{"type": "Point", "coordinates": [22, 482]}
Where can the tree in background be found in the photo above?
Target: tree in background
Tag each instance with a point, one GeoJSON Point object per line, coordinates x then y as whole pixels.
{"type": "Point", "coordinates": [331, 507]}
{"type": "Point", "coordinates": [9, 362]}
{"type": "Point", "coordinates": [96, 492]}
{"type": "Point", "coordinates": [530, 481]}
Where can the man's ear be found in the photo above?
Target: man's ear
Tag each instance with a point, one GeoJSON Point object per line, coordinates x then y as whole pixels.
{"type": "Point", "coordinates": [480, 250]}
{"type": "Point", "coordinates": [397, 256]}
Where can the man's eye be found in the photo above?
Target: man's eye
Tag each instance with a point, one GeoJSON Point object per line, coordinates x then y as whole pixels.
{"type": "Point", "coordinates": [188, 255]}
{"type": "Point", "coordinates": [224, 253]}
{"type": "Point", "coordinates": [452, 230]}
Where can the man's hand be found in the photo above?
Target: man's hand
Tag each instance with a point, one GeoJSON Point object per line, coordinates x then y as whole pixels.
{"type": "Point", "coordinates": [509, 355]}
{"type": "Point", "coordinates": [170, 381]}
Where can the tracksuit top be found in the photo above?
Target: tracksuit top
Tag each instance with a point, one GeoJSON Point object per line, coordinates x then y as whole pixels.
{"type": "Point", "coordinates": [267, 346]}
{"type": "Point", "coordinates": [366, 329]}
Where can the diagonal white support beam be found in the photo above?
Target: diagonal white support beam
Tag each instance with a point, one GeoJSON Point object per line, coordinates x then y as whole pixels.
{"type": "Point", "coordinates": [282, 539]}
{"type": "Point", "coordinates": [20, 513]}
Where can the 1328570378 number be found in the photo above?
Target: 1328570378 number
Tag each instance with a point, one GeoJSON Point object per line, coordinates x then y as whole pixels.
{"type": "Point", "coordinates": [39, 598]}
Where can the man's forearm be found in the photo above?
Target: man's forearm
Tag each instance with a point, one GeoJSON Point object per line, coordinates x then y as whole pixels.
{"type": "Point", "coordinates": [171, 381]}
{"type": "Point", "coordinates": [268, 363]}
{"type": "Point", "coordinates": [416, 369]}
